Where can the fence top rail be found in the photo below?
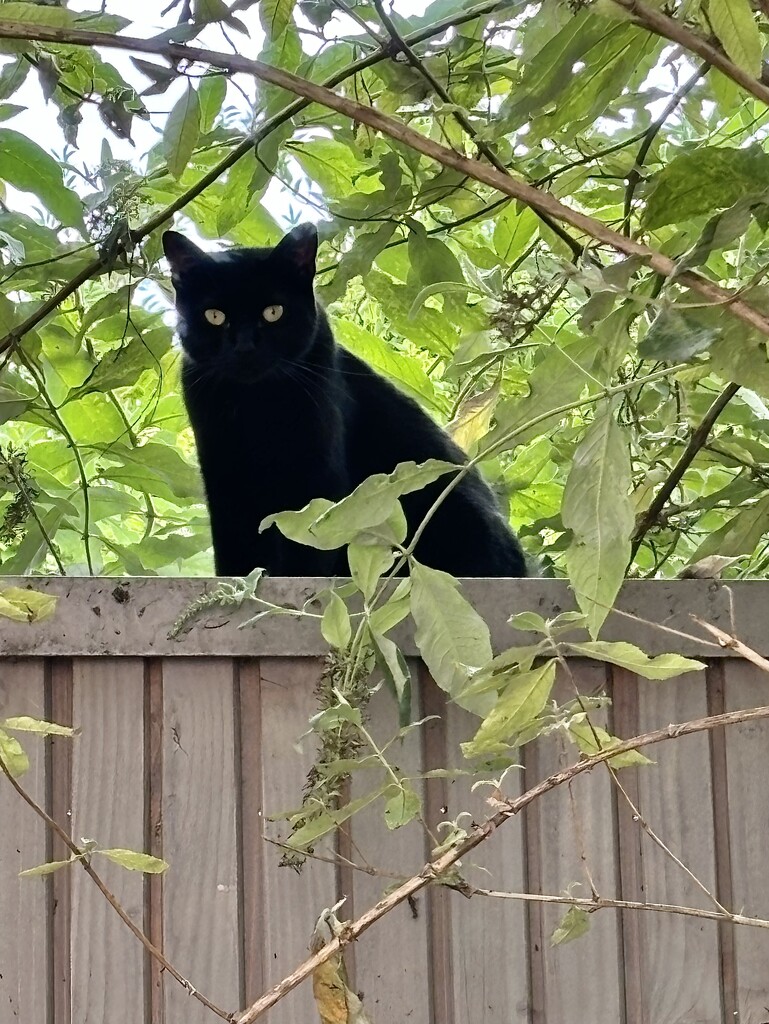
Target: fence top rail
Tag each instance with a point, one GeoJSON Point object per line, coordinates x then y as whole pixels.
{"type": "Point", "coordinates": [132, 616]}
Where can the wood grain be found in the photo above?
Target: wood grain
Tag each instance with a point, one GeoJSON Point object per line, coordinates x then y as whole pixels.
{"type": "Point", "coordinates": [747, 754]}
{"type": "Point", "coordinates": [107, 976]}
{"type": "Point", "coordinates": [582, 978]}
{"type": "Point", "coordinates": [24, 953]}
{"type": "Point", "coordinates": [200, 890]}
{"type": "Point", "coordinates": [293, 902]}
{"type": "Point", "coordinates": [393, 987]}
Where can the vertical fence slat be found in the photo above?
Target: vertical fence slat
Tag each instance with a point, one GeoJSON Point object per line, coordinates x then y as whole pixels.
{"type": "Point", "coordinates": [391, 958]}
{"type": "Point", "coordinates": [577, 821]}
{"type": "Point", "coordinates": [292, 902]}
{"type": "Point", "coordinates": [108, 806]}
{"type": "Point", "coordinates": [252, 850]}
{"type": "Point", "coordinates": [747, 754]}
{"type": "Point", "coordinates": [200, 890]}
{"type": "Point", "coordinates": [23, 904]}
{"type": "Point", "coordinates": [680, 959]}
{"type": "Point", "coordinates": [489, 941]}
{"type": "Point", "coordinates": [59, 772]}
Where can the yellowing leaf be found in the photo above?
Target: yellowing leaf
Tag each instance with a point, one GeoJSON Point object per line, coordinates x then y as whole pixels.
{"type": "Point", "coordinates": [473, 418]}
{"type": "Point", "coordinates": [25, 605]}
{"type": "Point", "coordinates": [738, 32]}
{"type": "Point", "coordinates": [135, 861]}
{"type": "Point", "coordinates": [336, 1003]}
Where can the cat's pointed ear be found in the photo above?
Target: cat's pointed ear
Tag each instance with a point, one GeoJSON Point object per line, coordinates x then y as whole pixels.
{"type": "Point", "coordinates": [181, 253]}
{"type": "Point", "coordinates": [299, 248]}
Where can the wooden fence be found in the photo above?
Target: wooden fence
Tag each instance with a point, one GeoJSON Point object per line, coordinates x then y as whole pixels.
{"type": "Point", "coordinates": [186, 747]}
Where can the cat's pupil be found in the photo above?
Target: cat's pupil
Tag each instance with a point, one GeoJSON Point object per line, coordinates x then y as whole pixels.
{"type": "Point", "coordinates": [272, 313]}
{"type": "Point", "coordinates": [215, 317]}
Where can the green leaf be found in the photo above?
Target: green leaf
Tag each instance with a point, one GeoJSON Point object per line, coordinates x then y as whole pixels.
{"type": "Point", "coordinates": [323, 524]}
{"type": "Point", "coordinates": [46, 869]}
{"type": "Point", "coordinates": [599, 512]}
{"type": "Point", "coordinates": [740, 535]}
{"type": "Point", "coordinates": [592, 740]}
{"type": "Point", "coordinates": [516, 709]}
{"type": "Point", "coordinates": [29, 168]}
{"type": "Point", "coordinates": [703, 180]}
{"type": "Point", "coordinates": [663, 666]}
{"type": "Point", "coordinates": [395, 669]}
{"type": "Point", "coordinates": [387, 616]}
{"type": "Point", "coordinates": [13, 755]}
{"type": "Point", "coordinates": [24, 723]}
{"type": "Point", "coordinates": [211, 93]}
{"type": "Point", "coordinates": [12, 404]}
{"type": "Point", "coordinates": [677, 335]}
{"type": "Point", "coordinates": [514, 229]}
{"type": "Point", "coordinates": [368, 562]}
{"type": "Point", "coordinates": [181, 132]}
{"type": "Point", "coordinates": [275, 16]}
{"type": "Point", "coordinates": [737, 30]}
{"type": "Point", "coordinates": [402, 806]}
{"type": "Point", "coordinates": [451, 636]}
{"type": "Point", "coordinates": [25, 605]}
{"type": "Point", "coordinates": [135, 861]}
{"type": "Point", "coordinates": [574, 923]}
{"type": "Point", "coordinates": [335, 624]}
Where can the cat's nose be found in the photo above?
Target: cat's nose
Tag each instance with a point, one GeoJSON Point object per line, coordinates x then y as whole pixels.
{"type": "Point", "coordinates": [244, 340]}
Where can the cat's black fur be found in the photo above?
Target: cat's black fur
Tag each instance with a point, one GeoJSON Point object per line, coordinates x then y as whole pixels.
{"type": "Point", "coordinates": [282, 414]}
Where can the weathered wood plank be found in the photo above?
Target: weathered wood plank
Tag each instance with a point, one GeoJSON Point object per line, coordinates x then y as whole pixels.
{"type": "Point", "coordinates": [59, 771]}
{"type": "Point", "coordinates": [391, 960]}
{"type": "Point", "coordinates": [292, 901]}
{"type": "Point", "coordinates": [23, 843]}
{"type": "Point", "coordinates": [489, 970]}
{"type": "Point", "coordinates": [582, 979]}
{"type": "Point", "coordinates": [679, 956]}
{"type": "Point", "coordinates": [132, 616]}
{"type": "Point", "coordinates": [747, 754]}
{"type": "Point", "coordinates": [200, 890]}
{"type": "Point", "coordinates": [249, 683]}
{"type": "Point", "coordinates": [107, 973]}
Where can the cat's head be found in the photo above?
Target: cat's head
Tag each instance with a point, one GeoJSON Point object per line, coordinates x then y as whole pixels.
{"type": "Point", "coordinates": [245, 313]}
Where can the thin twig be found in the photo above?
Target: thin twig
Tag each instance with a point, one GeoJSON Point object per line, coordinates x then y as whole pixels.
{"type": "Point", "coordinates": [601, 903]}
{"type": "Point", "coordinates": [395, 129]}
{"type": "Point", "coordinates": [725, 640]}
{"type": "Point", "coordinates": [699, 436]}
{"type": "Point", "coordinates": [435, 870]}
{"type": "Point", "coordinates": [81, 857]}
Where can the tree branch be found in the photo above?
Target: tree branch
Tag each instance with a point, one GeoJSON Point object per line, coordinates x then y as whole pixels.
{"type": "Point", "coordinates": [435, 870]}
{"type": "Point", "coordinates": [136, 235]}
{"type": "Point", "coordinates": [660, 24]}
{"type": "Point", "coordinates": [394, 129]}
{"type": "Point", "coordinates": [696, 442]}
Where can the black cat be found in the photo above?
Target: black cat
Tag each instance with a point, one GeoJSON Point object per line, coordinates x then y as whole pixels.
{"type": "Point", "coordinates": [282, 414]}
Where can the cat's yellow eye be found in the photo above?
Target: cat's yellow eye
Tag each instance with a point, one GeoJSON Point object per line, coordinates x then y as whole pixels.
{"type": "Point", "coordinates": [215, 317]}
{"type": "Point", "coordinates": [272, 313]}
